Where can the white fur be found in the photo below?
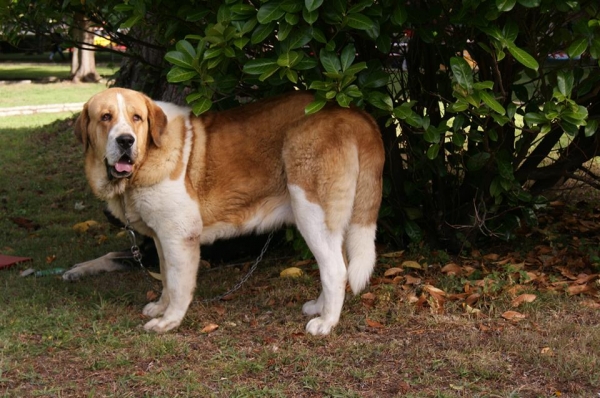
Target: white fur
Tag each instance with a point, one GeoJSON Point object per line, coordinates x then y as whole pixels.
{"type": "Point", "coordinates": [326, 246]}
{"type": "Point", "coordinates": [361, 255]}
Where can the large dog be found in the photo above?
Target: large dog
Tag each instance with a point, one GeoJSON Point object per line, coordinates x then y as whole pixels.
{"type": "Point", "coordinates": [185, 180]}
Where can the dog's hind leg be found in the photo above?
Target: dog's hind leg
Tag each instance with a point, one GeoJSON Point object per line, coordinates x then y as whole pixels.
{"type": "Point", "coordinates": [326, 246]}
{"type": "Point", "coordinates": [106, 263]}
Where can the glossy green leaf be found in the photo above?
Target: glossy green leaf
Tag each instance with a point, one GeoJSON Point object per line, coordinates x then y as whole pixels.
{"type": "Point", "coordinates": [315, 106]}
{"type": "Point", "coordinates": [178, 75]}
{"type": "Point", "coordinates": [577, 47]}
{"type": "Point", "coordinates": [490, 101]}
{"type": "Point", "coordinates": [269, 12]}
{"type": "Point", "coordinates": [200, 106]}
{"type": "Point", "coordinates": [262, 32]}
{"type": "Point", "coordinates": [591, 127]}
{"type": "Point", "coordinates": [522, 56]}
{"type": "Point", "coordinates": [347, 56]}
{"type": "Point", "coordinates": [505, 5]}
{"type": "Point", "coordinates": [462, 72]}
{"type": "Point", "coordinates": [533, 118]}
{"type": "Point", "coordinates": [565, 80]}
{"type": "Point", "coordinates": [359, 21]}
{"type": "Point", "coordinates": [312, 5]}
{"type": "Point", "coordinates": [330, 61]}
{"type": "Point", "coordinates": [380, 100]}
{"type": "Point", "coordinates": [179, 59]}
{"type": "Point", "coordinates": [259, 66]}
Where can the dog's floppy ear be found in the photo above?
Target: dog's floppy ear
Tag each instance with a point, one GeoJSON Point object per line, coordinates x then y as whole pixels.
{"type": "Point", "coordinates": [157, 121]}
{"type": "Point", "coordinates": [81, 126]}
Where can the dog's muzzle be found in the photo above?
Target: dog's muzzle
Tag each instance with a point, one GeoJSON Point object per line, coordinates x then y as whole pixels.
{"type": "Point", "coordinates": [123, 168]}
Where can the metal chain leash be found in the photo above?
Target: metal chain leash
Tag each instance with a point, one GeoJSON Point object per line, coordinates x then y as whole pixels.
{"type": "Point", "coordinates": [137, 256]}
{"type": "Point", "coordinates": [245, 277]}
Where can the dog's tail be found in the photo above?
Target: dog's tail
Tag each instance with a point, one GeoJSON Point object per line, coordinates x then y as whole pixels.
{"type": "Point", "coordinates": [360, 234]}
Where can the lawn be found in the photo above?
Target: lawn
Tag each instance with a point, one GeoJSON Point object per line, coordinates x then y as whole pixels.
{"type": "Point", "coordinates": [24, 94]}
{"type": "Point", "coordinates": [430, 324]}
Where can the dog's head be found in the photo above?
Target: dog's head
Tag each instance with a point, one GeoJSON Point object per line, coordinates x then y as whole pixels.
{"type": "Point", "coordinates": [116, 127]}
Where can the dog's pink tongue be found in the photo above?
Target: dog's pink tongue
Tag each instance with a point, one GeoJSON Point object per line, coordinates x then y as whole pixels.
{"type": "Point", "coordinates": [123, 167]}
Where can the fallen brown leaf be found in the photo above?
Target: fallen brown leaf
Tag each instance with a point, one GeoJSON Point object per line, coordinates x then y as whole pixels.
{"type": "Point", "coordinates": [374, 324]}
{"type": "Point", "coordinates": [523, 298]}
{"type": "Point", "coordinates": [368, 299]}
{"type": "Point", "coordinates": [452, 269]}
{"type": "Point", "coordinates": [393, 254]}
{"type": "Point", "coordinates": [151, 295]}
{"type": "Point", "coordinates": [211, 327]}
{"type": "Point", "coordinates": [578, 289]}
{"type": "Point", "coordinates": [292, 272]}
{"type": "Point", "coordinates": [591, 304]}
{"type": "Point", "coordinates": [393, 271]}
{"type": "Point", "coordinates": [411, 280]}
{"type": "Point", "coordinates": [472, 299]}
{"type": "Point", "coordinates": [513, 316]}
{"type": "Point", "coordinates": [411, 264]}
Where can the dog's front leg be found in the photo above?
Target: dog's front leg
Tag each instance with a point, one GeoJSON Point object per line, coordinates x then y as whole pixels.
{"type": "Point", "coordinates": [179, 269]}
{"type": "Point", "coordinates": [158, 308]}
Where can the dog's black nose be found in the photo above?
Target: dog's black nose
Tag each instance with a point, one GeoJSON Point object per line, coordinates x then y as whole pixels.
{"type": "Point", "coordinates": [125, 141]}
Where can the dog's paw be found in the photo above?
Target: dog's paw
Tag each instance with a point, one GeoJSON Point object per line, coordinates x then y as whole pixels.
{"type": "Point", "coordinates": [73, 274]}
{"type": "Point", "coordinates": [161, 325]}
{"type": "Point", "coordinates": [312, 307]}
{"type": "Point", "coordinates": [319, 326]}
{"type": "Point", "coordinates": [154, 309]}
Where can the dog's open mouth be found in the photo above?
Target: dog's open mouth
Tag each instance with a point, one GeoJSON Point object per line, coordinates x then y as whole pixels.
{"type": "Point", "coordinates": [122, 169]}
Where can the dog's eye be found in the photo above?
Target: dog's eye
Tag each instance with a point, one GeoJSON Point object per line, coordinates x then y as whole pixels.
{"type": "Point", "coordinates": [137, 118]}
{"type": "Point", "coordinates": [106, 117]}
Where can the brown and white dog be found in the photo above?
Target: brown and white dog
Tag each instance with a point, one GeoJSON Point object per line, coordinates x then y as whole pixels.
{"type": "Point", "coordinates": [185, 180]}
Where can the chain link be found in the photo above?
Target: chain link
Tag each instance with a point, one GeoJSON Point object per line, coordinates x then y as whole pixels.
{"type": "Point", "coordinates": [245, 277]}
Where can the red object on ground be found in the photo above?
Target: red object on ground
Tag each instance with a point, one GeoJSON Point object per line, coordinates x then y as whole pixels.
{"type": "Point", "coordinates": [9, 261]}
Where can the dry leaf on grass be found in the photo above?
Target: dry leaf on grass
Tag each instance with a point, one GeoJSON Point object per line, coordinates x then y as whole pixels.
{"type": "Point", "coordinates": [211, 327]}
{"type": "Point", "coordinates": [84, 226]}
{"type": "Point", "coordinates": [523, 298]}
{"type": "Point", "coordinates": [472, 299]}
{"type": "Point", "coordinates": [513, 316]}
{"type": "Point", "coordinates": [578, 289]}
{"type": "Point", "coordinates": [411, 264]}
{"type": "Point", "coordinates": [155, 275]}
{"type": "Point", "coordinates": [452, 269]}
{"type": "Point", "coordinates": [547, 351]}
{"type": "Point", "coordinates": [292, 272]}
{"type": "Point", "coordinates": [591, 304]}
{"type": "Point", "coordinates": [393, 254]}
{"type": "Point", "coordinates": [151, 295]}
{"type": "Point", "coordinates": [368, 299]}
{"type": "Point", "coordinates": [411, 280]}
{"type": "Point", "coordinates": [374, 324]}
{"type": "Point", "coordinates": [393, 272]}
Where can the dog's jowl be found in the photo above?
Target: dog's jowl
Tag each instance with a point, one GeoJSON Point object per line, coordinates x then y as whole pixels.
{"type": "Point", "coordinates": [185, 180]}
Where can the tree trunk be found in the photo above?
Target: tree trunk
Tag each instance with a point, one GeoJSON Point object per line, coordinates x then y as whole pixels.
{"type": "Point", "coordinates": [83, 62]}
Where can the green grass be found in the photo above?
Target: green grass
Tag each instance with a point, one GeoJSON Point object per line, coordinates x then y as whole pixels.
{"type": "Point", "coordinates": [41, 71]}
{"type": "Point", "coordinates": [85, 339]}
{"type": "Point", "coordinates": [23, 94]}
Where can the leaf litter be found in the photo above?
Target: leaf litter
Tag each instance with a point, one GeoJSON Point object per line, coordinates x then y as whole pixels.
{"type": "Point", "coordinates": [567, 261]}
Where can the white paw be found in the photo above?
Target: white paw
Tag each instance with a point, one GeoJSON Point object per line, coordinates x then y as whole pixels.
{"type": "Point", "coordinates": [73, 274]}
{"type": "Point", "coordinates": [319, 326]}
{"type": "Point", "coordinates": [155, 309]}
{"type": "Point", "coordinates": [312, 307]}
{"type": "Point", "coordinates": [161, 325]}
